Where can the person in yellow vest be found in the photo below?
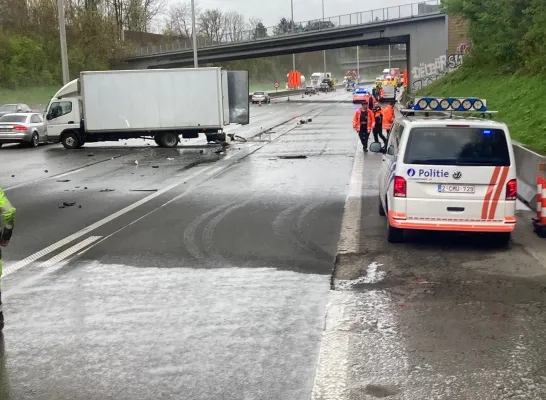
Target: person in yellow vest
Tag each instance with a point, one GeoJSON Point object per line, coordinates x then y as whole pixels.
{"type": "Point", "coordinates": [7, 223]}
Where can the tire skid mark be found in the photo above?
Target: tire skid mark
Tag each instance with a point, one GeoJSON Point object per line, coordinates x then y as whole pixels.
{"type": "Point", "coordinates": [208, 232]}
{"type": "Point", "coordinates": [189, 234]}
{"type": "Point", "coordinates": [307, 245]}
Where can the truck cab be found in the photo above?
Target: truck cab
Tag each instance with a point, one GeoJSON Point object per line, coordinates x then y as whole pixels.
{"type": "Point", "coordinates": [64, 111]}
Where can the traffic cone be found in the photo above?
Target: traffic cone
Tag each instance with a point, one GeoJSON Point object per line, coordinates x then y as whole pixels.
{"type": "Point", "coordinates": [542, 197]}
{"type": "Point", "coordinates": [540, 181]}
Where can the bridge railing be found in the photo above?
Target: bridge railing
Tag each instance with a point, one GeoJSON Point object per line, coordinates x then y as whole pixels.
{"type": "Point", "coordinates": [341, 21]}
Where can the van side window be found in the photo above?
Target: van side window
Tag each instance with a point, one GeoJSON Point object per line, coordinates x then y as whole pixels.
{"type": "Point", "coordinates": [60, 108]}
{"type": "Point", "coordinates": [394, 139]}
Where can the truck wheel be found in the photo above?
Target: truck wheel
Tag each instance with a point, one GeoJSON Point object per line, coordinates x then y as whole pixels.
{"type": "Point", "coordinates": [156, 140]}
{"type": "Point", "coordinates": [168, 140]}
{"type": "Point", "coordinates": [71, 140]}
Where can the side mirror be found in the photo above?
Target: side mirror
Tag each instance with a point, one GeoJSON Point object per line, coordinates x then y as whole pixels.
{"type": "Point", "coordinates": [375, 147]}
{"type": "Point", "coordinates": [49, 117]}
{"type": "Point", "coordinates": [390, 150]}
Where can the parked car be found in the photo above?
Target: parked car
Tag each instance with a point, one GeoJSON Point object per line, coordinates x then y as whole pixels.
{"type": "Point", "coordinates": [14, 108]}
{"type": "Point", "coordinates": [326, 85]}
{"type": "Point", "coordinates": [26, 128]}
{"type": "Point", "coordinates": [310, 90]}
{"type": "Point", "coordinates": [261, 97]}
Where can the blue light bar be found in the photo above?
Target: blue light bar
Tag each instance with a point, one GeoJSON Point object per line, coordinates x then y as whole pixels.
{"type": "Point", "coordinates": [459, 104]}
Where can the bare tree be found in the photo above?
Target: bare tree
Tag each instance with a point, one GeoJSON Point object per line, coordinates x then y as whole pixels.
{"type": "Point", "coordinates": [179, 19]}
{"type": "Point", "coordinates": [235, 26]}
{"type": "Point", "coordinates": [211, 24]}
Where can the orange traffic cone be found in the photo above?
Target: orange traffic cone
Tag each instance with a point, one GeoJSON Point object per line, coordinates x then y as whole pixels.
{"type": "Point", "coordinates": [539, 197]}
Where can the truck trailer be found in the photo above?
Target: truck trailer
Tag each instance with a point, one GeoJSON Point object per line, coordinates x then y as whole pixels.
{"type": "Point", "coordinates": [158, 104]}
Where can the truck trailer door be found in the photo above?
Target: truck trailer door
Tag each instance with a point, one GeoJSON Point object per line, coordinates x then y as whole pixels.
{"type": "Point", "coordinates": [238, 90]}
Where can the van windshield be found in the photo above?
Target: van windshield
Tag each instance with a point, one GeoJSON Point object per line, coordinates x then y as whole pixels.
{"type": "Point", "coordinates": [457, 146]}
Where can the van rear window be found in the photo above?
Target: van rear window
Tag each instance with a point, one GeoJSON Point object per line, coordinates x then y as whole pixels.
{"type": "Point", "coordinates": [457, 146]}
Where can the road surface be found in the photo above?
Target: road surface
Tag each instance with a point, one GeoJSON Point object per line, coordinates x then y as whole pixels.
{"type": "Point", "coordinates": [197, 275]}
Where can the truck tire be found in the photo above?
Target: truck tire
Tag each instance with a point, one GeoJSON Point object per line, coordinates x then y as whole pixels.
{"type": "Point", "coordinates": [71, 140]}
{"type": "Point", "coordinates": [168, 140]}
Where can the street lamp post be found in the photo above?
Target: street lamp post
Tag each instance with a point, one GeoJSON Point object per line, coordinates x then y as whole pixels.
{"type": "Point", "coordinates": [324, 51]}
{"type": "Point", "coordinates": [357, 64]}
{"type": "Point", "coordinates": [62, 31]}
{"type": "Point", "coordinates": [194, 34]}
{"type": "Point", "coordinates": [293, 54]}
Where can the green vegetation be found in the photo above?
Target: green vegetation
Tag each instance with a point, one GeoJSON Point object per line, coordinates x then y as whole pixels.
{"type": "Point", "coordinates": [505, 64]}
{"type": "Point", "coordinates": [518, 98]}
{"type": "Point", "coordinates": [31, 96]}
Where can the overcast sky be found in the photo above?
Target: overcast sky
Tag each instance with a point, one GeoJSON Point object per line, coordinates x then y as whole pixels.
{"type": "Point", "coordinates": [271, 11]}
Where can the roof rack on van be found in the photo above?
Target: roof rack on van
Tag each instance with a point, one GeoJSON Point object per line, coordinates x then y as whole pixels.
{"type": "Point", "coordinates": [447, 106]}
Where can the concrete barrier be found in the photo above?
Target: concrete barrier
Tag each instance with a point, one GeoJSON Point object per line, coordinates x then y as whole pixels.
{"type": "Point", "coordinates": [527, 164]}
{"type": "Point", "coordinates": [280, 93]}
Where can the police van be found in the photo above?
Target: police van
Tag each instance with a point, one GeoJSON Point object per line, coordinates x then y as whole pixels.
{"type": "Point", "coordinates": [447, 171]}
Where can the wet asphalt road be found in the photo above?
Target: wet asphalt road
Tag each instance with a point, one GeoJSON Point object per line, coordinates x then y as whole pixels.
{"type": "Point", "coordinates": [208, 277]}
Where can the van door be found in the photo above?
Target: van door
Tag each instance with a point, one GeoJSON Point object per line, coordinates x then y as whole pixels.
{"type": "Point", "coordinates": [456, 173]}
{"type": "Point", "coordinates": [60, 116]}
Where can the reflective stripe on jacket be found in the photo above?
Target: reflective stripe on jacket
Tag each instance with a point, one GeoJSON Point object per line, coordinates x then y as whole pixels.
{"type": "Point", "coordinates": [356, 119]}
{"type": "Point", "coordinates": [388, 117]}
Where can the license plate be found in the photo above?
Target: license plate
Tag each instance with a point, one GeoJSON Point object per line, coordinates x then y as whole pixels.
{"type": "Point", "coordinates": [456, 189]}
{"type": "Point", "coordinates": [5, 130]}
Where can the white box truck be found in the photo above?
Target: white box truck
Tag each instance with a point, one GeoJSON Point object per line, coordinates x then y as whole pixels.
{"type": "Point", "coordinates": [159, 104]}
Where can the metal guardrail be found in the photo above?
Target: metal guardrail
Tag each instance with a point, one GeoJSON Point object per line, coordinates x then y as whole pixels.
{"type": "Point", "coordinates": [341, 21]}
{"type": "Point", "coordinates": [376, 59]}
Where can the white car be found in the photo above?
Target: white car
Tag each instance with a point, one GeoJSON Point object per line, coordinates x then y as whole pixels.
{"type": "Point", "coordinates": [260, 97]}
{"type": "Point", "coordinates": [448, 173]}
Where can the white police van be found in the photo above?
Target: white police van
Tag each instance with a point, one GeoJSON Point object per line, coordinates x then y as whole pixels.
{"type": "Point", "coordinates": [446, 172]}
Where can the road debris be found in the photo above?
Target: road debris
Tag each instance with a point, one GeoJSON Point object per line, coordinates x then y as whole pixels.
{"type": "Point", "coordinates": [63, 180]}
{"type": "Point", "coordinates": [90, 155]}
{"type": "Point", "coordinates": [298, 157]}
{"type": "Point", "coordinates": [143, 190]}
{"type": "Point", "coordinates": [106, 190]}
{"type": "Point", "coordinates": [155, 166]}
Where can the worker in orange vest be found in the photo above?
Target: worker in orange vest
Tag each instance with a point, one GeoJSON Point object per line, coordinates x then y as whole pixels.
{"type": "Point", "coordinates": [381, 93]}
{"type": "Point", "coordinates": [388, 118]}
{"type": "Point", "coordinates": [363, 124]}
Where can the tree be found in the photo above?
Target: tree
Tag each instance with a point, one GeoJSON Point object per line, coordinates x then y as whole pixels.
{"type": "Point", "coordinates": [235, 27]}
{"type": "Point", "coordinates": [211, 25]}
{"type": "Point", "coordinates": [259, 31]}
{"type": "Point", "coordinates": [179, 19]}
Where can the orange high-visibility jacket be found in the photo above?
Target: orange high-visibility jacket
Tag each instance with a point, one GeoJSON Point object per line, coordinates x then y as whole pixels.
{"type": "Point", "coordinates": [356, 119]}
{"type": "Point", "coordinates": [388, 117]}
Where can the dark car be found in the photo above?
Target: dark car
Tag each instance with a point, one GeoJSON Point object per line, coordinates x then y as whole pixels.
{"type": "Point", "coordinates": [14, 108]}
{"type": "Point", "coordinates": [310, 90]}
{"type": "Point", "coordinates": [326, 85]}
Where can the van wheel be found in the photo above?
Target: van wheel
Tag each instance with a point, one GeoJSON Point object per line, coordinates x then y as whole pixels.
{"type": "Point", "coordinates": [394, 235]}
{"type": "Point", "coordinates": [71, 140]}
{"type": "Point", "coordinates": [503, 238]}
{"type": "Point", "coordinates": [168, 140]}
{"type": "Point", "coordinates": [381, 209]}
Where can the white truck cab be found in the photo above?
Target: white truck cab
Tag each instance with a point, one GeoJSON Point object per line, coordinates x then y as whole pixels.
{"type": "Point", "coordinates": [64, 111]}
{"type": "Point", "coordinates": [448, 173]}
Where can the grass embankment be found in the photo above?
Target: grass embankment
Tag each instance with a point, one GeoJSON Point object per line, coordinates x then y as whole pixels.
{"type": "Point", "coordinates": [30, 96]}
{"type": "Point", "coordinates": [519, 99]}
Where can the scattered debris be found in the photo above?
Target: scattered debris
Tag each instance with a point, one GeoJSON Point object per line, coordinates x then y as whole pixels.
{"type": "Point", "coordinates": [68, 203]}
{"type": "Point", "coordinates": [85, 187]}
{"type": "Point", "coordinates": [77, 187]}
{"type": "Point", "coordinates": [201, 151]}
{"type": "Point", "coordinates": [143, 190]}
{"type": "Point", "coordinates": [130, 162]}
{"type": "Point", "coordinates": [90, 155]}
{"type": "Point", "coordinates": [170, 158]}
{"type": "Point", "coordinates": [106, 190]}
{"type": "Point", "coordinates": [63, 180]}
{"type": "Point", "coordinates": [80, 206]}
{"type": "Point", "coordinates": [292, 157]}
{"type": "Point", "coordinates": [46, 171]}
{"type": "Point", "coordinates": [13, 176]}
{"type": "Point", "coordinates": [309, 119]}
{"type": "Point", "coordinates": [155, 166]}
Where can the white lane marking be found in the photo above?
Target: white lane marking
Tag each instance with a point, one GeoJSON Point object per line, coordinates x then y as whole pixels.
{"type": "Point", "coordinates": [372, 276]}
{"type": "Point", "coordinates": [49, 249]}
{"type": "Point", "coordinates": [349, 236]}
{"type": "Point", "coordinates": [331, 376]}
{"type": "Point", "coordinates": [70, 251]}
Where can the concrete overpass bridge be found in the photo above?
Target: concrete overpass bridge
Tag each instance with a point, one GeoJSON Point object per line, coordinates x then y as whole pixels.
{"type": "Point", "coordinates": [420, 26]}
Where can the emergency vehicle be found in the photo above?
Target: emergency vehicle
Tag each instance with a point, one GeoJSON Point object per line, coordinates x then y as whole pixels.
{"type": "Point", "coordinates": [360, 94]}
{"type": "Point", "coordinates": [447, 171]}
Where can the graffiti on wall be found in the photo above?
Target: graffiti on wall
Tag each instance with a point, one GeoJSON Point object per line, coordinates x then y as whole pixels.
{"type": "Point", "coordinates": [425, 74]}
{"type": "Point", "coordinates": [463, 48]}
